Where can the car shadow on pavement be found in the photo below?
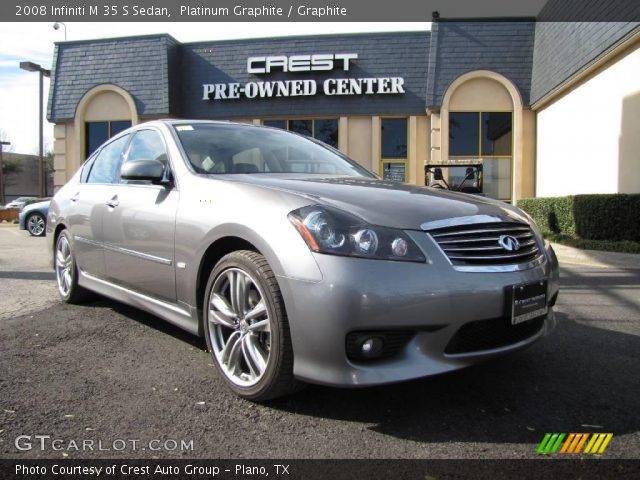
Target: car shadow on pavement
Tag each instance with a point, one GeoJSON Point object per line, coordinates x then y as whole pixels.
{"type": "Point", "coordinates": [149, 320]}
{"type": "Point", "coordinates": [579, 379]}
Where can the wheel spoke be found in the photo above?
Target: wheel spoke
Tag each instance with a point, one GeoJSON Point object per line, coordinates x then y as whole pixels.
{"type": "Point", "coordinates": [238, 284]}
{"type": "Point", "coordinates": [60, 258]}
{"type": "Point", "coordinates": [66, 275]}
{"type": "Point", "coordinates": [253, 355]}
{"type": "Point", "coordinates": [259, 310]}
{"type": "Point", "coordinates": [222, 305]}
{"type": "Point", "coordinates": [230, 355]}
{"type": "Point", "coordinates": [261, 326]}
{"type": "Point", "coordinates": [216, 317]}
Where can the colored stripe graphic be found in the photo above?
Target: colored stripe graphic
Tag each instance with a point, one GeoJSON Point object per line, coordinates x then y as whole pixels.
{"type": "Point", "coordinates": [598, 443]}
{"type": "Point", "coordinates": [574, 443]}
{"type": "Point", "coordinates": [552, 443]}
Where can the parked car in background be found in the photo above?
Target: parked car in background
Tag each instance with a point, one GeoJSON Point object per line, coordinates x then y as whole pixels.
{"type": "Point", "coordinates": [33, 218]}
{"type": "Point", "coordinates": [19, 202]}
{"type": "Point", "coordinates": [296, 263]}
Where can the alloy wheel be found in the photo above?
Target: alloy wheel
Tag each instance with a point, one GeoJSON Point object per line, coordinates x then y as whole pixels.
{"type": "Point", "coordinates": [64, 266]}
{"type": "Point", "coordinates": [240, 327]}
{"type": "Point", "coordinates": [36, 225]}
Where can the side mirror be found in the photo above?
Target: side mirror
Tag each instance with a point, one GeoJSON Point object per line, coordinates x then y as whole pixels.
{"type": "Point", "coordinates": [143, 170]}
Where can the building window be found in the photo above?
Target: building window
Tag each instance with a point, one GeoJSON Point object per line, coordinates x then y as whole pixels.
{"type": "Point", "coordinates": [99, 132]}
{"type": "Point", "coordinates": [323, 129]}
{"type": "Point", "coordinates": [394, 139]}
{"type": "Point", "coordinates": [484, 138]}
{"type": "Point", "coordinates": [464, 134]}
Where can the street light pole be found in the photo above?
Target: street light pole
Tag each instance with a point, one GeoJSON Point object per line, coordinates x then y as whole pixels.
{"type": "Point", "coordinates": [2, 144]}
{"type": "Point", "coordinates": [57, 25]}
{"type": "Point", "coordinates": [43, 72]}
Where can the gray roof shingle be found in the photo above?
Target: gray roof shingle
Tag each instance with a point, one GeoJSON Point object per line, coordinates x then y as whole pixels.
{"type": "Point", "coordinates": [139, 65]}
{"type": "Point", "coordinates": [460, 47]}
{"type": "Point", "coordinates": [563, 49]}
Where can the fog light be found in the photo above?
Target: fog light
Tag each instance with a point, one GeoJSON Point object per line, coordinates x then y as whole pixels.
{"type": "Point", "coordinates": [371, 347]}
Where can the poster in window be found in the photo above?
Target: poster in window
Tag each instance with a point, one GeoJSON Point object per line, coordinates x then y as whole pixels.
{"type": "Point", "coordinates": [394, 172]}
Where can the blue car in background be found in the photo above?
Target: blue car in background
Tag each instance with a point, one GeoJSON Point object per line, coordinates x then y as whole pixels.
{"type": "Point", "coordinates": [33, 218]}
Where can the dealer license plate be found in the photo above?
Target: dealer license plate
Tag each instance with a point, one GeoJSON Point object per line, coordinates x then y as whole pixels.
{"type": "Point", "coordinates": [528, 301]}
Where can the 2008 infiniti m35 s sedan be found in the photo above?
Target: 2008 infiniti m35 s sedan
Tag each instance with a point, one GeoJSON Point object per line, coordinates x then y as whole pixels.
{"type": "Point", "coordinates": [295, 263]}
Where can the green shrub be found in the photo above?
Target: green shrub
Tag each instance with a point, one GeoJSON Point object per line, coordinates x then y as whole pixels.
{"type": "Point", "coordinates": [606, 217]}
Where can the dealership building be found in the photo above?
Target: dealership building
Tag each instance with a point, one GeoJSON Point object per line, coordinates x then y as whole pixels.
{"type": "Point", "coordinates": [516, 108]}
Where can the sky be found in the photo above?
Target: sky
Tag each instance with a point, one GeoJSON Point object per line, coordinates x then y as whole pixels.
{"type": "Point", "coordinates": [35, 42]}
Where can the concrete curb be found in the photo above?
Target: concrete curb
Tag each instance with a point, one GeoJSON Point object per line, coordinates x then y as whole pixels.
{"type": "Point", "coordinates": [595, 258]}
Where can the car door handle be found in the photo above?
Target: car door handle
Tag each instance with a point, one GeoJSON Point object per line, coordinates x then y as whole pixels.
{"type": "Point", "coordinates": [75, 197]}
{"type": "Point", "coordinates": [114, 202]}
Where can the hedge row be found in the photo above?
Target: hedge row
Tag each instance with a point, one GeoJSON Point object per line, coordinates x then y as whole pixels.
{"type": "Point", "coordinates": [612, 217]}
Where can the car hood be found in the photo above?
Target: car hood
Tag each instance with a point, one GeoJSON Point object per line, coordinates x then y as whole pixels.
{"type": "Point", "coordinates": [37, 206]}
{"type": "Point", "coordinates": [385, 203]}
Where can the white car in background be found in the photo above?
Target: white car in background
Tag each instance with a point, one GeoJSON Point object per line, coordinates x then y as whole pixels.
{"type": "Point", "coordinates": [19, 202]}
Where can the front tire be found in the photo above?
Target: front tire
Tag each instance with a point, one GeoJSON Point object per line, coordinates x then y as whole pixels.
{"type": "Point", "coordinates": [67, 271]}
{"type": "Point", "coordinates": [246, 327]}
{"type": "Point", "coordinates": [36, 224]}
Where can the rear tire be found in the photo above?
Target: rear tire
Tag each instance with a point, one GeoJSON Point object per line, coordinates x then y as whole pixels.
{"type": "Point", "coordinates": [246, 328]}
{"type": "Point", "coordinates": [67, 271]}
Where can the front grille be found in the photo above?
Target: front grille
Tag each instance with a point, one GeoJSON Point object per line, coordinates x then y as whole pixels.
{"type": "Point", "coordinates": [489, 334]}
{"type": "Point", "coordinates": [478, 244]}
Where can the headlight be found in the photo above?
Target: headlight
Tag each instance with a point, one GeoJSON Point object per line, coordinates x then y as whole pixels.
{"type": "Point", "coordinates": [332, 231]}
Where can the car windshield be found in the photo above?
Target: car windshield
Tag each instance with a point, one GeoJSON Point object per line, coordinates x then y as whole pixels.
{"type": "Point", "coordinates": [223, 149]}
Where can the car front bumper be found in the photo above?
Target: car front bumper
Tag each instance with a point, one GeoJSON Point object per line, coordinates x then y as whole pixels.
{"type": "Point", "coordinates": [432, 300]}
{"type": "Point", "coordinates": [21, 220]}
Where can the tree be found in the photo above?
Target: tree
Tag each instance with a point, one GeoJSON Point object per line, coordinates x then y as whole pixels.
{"type": "Point", "coordinates": [9, 168]}
{"type": "Point", "coordinates": [4, 136]}
{"type": "Point", "coordinates": [6, 167]}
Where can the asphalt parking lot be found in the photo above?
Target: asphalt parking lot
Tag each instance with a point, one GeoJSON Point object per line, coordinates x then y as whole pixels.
{"type": "Point", "coordinates": [104, 371]}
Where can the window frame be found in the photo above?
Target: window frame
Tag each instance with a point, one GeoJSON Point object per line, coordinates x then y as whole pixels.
{"type": "Point", "coordinates": [393, 160]}
{"type": "Point", "coordinates": [109, 133]}
{"type": "Point", "coordinates": [480, 156]}
{"type": "Point", "coordinates": [287, 121]}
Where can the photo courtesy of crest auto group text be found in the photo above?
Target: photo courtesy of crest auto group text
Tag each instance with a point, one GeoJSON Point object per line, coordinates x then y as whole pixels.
{"type": "Point", "coordinates": [398, 241]}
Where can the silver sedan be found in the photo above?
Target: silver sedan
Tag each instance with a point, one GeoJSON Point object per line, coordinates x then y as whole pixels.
{"type": "Point", "coordinates": [295, 263]}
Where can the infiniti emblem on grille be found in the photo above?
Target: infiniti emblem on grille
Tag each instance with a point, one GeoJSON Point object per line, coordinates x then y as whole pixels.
{"type": "Point", "coordinates": [509, 243]}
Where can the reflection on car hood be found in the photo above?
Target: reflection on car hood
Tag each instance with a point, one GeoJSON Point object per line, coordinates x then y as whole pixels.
{"type": "Point", "coordinates": [381, 202]}
{"type": "Point", "coordinates": [37, 206]}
